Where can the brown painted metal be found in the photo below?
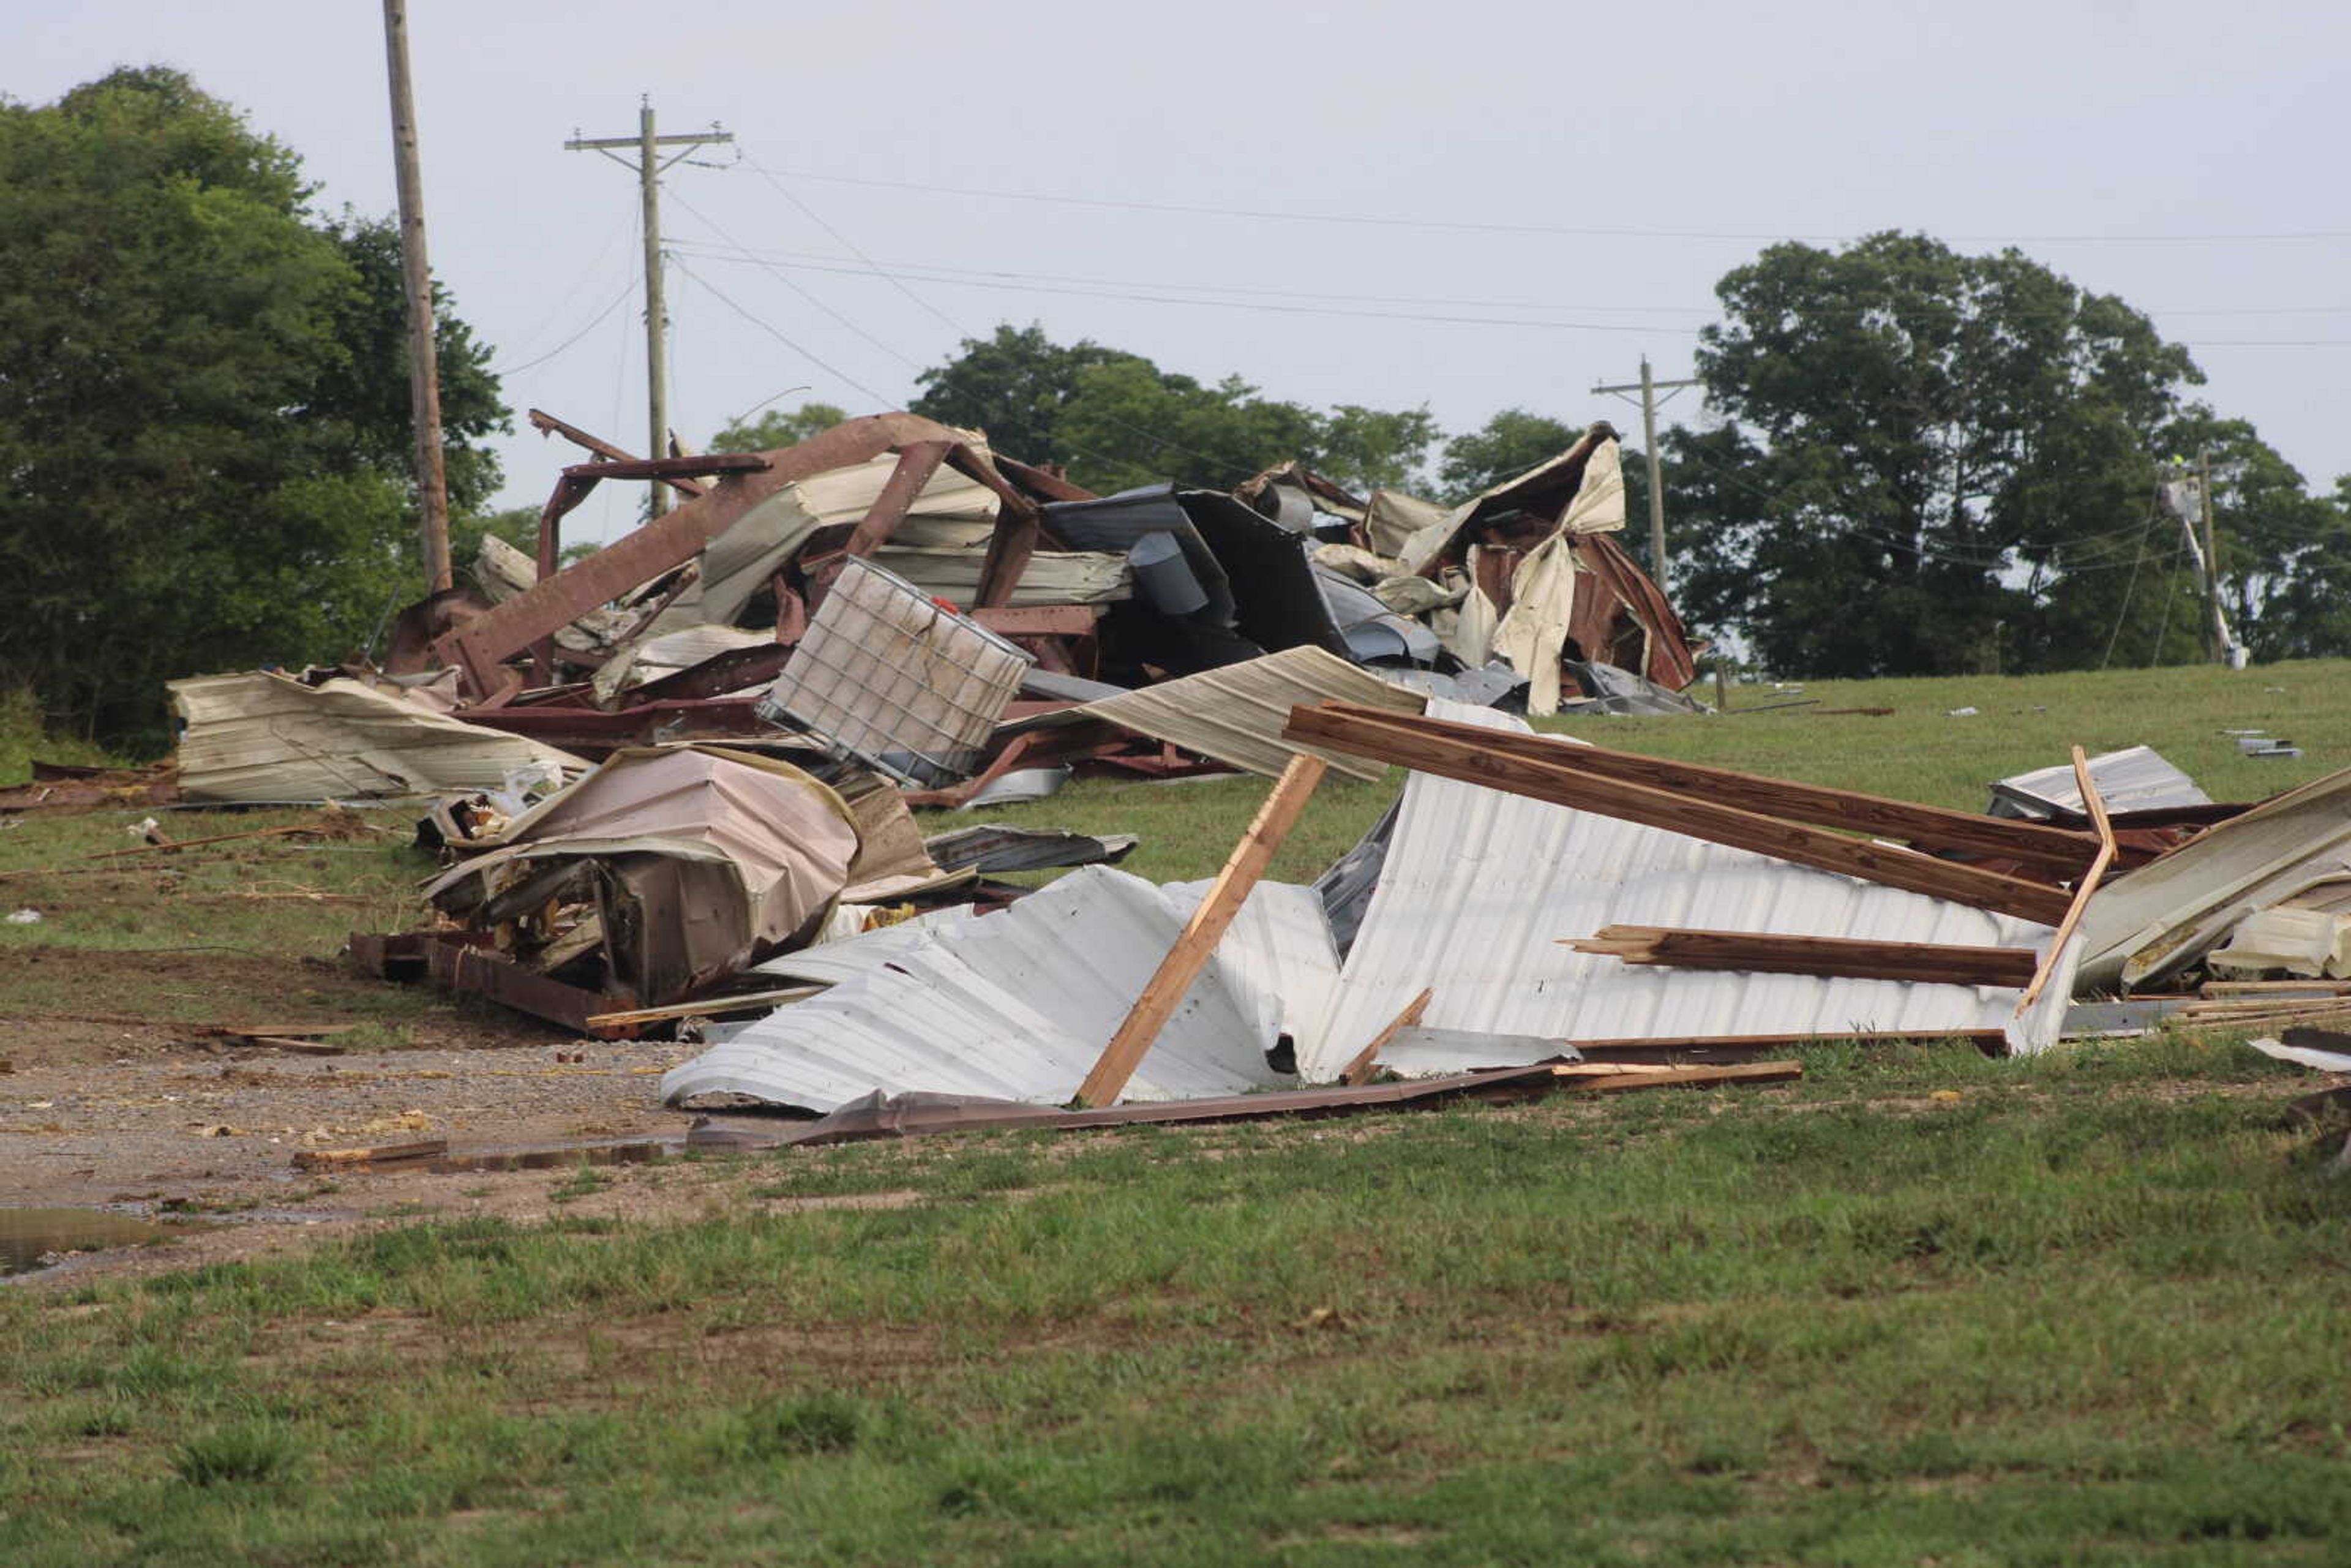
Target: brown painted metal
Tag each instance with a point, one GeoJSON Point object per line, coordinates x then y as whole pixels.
{"type": "Point", "coordinates": [916, 462]}
{"type": "Point", "coordinates": [1426, 745]}
{"type": "Point", "coordinates": [1770, 953]}
{"type": "Point", "coordinates": [1041, 481]}
{"type": "Point", "coordinates": [593, 733]}
{"type": "Point", "coordinates": [1925, 827]}
{"type": "Point", "coordinates": [548, 424]}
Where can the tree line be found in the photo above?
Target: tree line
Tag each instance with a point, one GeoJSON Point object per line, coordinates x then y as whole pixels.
{"type": "Point", "coordinates": [1915, 461]}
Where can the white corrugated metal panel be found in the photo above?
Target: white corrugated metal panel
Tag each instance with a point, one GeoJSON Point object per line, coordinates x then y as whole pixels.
{"type": "Point", "coordinates": [1280, 944]}
{"type": "Point", "coordinates": [2136, 779]}
{"type": "Point", "coordinates": [1236, 714]}
{"type": "Point", "coordinates": [265, 737]}
{"type": "Point", "coordinates": [1015, 1005]}
{"type": "Point", "coordinates": [2142, 926]}
{"type": "Point", "coordinates": [1479, 886]}
{"type": "Point", "coordinates": [1051, 577]}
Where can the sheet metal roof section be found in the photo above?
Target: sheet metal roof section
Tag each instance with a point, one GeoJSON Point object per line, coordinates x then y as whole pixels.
{"type": "Point", "coordinates": [265, 736]}
{"type": "Point", "coordinates": [2161, 917]}
{"type": "Point", "coordinates": [1479, 886]}
{"type": "Point", "coordinates": [1280, 944]}
{"type": "Point", "coordinates": [1236, 714]}
{"type": "Point", "coordinates": [1015, 1005]}
{"type": "Point", "coordinates": [2136, 779]}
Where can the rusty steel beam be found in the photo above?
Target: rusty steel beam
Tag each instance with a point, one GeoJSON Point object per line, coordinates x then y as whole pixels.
{"type": "Point", "coordinates": [729, 670]}
{"type": "Point", "coordinates": [694, 467]}
{"type": "Point", "coordinates": [480, 644]}
{"type": "Point", "coordinates": [485, 974]}
{"type": "Point", "coordinates": [1041, 481]}
{"type": "Point", "coordinates": [1040, 619]}
{"type": "Point", "coordinates": [548, 424]}
{"type": "Point", "coordinates": [916, 464]}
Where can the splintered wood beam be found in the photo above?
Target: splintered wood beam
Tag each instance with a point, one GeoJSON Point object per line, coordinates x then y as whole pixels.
{"type": "Point", "coordinates": [1570, 1077]}
{"type": "Point", "coordinates": [1410, 742]}
{"type": "Point", "coordinates": [2085, 890]}
{"type": "Point", "coordinates": [1368, 1059]}
{"type": "Point", "coordinates": [1769, 953]}
{"type": "Point", "coordinates": [1197, 941]}
{"type": "Point", "coordinates": [2063, 850]}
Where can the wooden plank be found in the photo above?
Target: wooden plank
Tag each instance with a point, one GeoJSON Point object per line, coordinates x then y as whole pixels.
{"type": "Point", "coordinates": [287, 1042]}
{"type": "Point", "coordinates": [1409, 741]}
{"type": "Point", "coordinates": [380, 1154]}
{"type": "Point", "coordinates": [1770, 953]}
{"type": "Point", "coordinates": [1990, 1041]}
{"type": "Point", "coordinates": [1368, 1059]}
{"type": "Point", "coordinates": [1680, 1077]}
{"type": "Point", "coordinates": [2082, 890]}
{"type": "Point", "coordinates": [1926, 826]}
{"type": "Point", "coordinates": [619, 1025]}
{"type": "Point", "coordinates": [1197, 941]}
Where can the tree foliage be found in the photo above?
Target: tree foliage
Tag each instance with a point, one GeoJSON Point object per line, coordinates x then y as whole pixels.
{"type": "Point", "coordinates": [1510, 442]}
{"type": "Point", "coordinates": [203, 422]}
{"type": "Point", "coordinates": [1115, 419]}
{"type": "Point", "coordinates": [778, 428]}
{"type": "Point", "coordinates": [1932, 463]}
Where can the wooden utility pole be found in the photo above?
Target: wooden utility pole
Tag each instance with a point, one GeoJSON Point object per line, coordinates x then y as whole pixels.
{"type": "Point", "coordinates": [648, 167]}
{"type": "Point", "coordinates": [1648, 387]}
{"type": "Point", "coordinates": [416, 273]}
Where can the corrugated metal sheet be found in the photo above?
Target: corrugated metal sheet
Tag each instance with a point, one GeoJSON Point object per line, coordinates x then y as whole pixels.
{"type": "Point", "coordinates": [1281, 944]}
{"type": "Point", "coordinates": [2142, 926]}
{"type": "Point", "coordinates": [263, 737]}
{"type": "Point", "coordinates": [1051, 577]}
{"type": "Point", "coordinates": [1016, 1006]}
{"type": "Point", "coordinates": [1236, 714]}
{"type": "Point", "coordinates": [1479, 886]}
{"type": "Point", "coordinates": [2136, 779]}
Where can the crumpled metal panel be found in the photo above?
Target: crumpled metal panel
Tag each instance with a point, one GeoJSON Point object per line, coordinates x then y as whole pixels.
{"type": "Point", "coordinates": [1480, 886]}
{"type": "Point", "coordinates": [1281, 944]}
{"type": "Point", "coordinates": [1236, 714]}
{"type": "Point", "coordinates": [2136, 779]}
{"type": "Point", "coordinates": [269, 738]}
{"type": "Point", "coordinates": [1017, 1004]}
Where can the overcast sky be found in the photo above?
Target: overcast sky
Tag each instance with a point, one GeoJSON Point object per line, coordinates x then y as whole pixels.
{"type": "Point", "coordinates": [2186, 157]}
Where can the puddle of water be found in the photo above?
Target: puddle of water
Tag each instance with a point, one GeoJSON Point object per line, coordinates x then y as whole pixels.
{"type": "Point", "coordinates": [28, 1235]}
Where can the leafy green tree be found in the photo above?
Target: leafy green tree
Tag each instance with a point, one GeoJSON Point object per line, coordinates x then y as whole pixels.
{"type": "Point", "coordinates": [1367, 449]}
{"type": "Point", "coordinates": [202, 409]}
{"type": "Point", "coordinates": [1131, 422]}
{"type": "Point", "coordinates": [1015, 386]}
{"type": "Point", "coordinates": [1924, 453]}
{"type": "Point", "coordinates": [778, 428]}
{"type": "Point", "coordinates": [1510, 442]}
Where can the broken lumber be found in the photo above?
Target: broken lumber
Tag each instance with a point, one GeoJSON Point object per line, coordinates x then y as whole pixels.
{"type": "Point", "coordinates": [623, 1025]}
{"type": "Point", "coordinates": [379, 1155]}
{"type": "Point", "coordinates": [1578, 1082]}
{"type": "Point", "coordinates": [1411, 742]}
{"type": "Point", "coordinates": [1164, 992]}
{"type": "Point", "coordinates": [2063, 850]}
{"type": "Point", "coordinates": [2082, 890]}
{"type": "Point", "coordinates": [1845, 958]}
{"type": "Point", "coordinates": [1368, 1059]}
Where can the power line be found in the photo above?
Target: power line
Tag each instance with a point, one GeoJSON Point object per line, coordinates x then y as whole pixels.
{"type": "Point", "coordinates": [764, 325]}
{"type": "Point", "coordinates": [898, 354]}
{"type": "Point", "coordinates": [602, 316]}
{"type": "Point", "coordinates": [850, 245]}
{"type": "Point", "coordinates": [1488, 226]}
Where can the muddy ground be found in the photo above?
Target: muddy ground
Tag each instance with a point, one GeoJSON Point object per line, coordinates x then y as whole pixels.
{"type": "Point", "coordinates": [157, 1119]}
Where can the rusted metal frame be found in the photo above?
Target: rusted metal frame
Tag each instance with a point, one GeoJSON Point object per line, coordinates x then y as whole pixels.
{"type": "Point", "coordinates": [916, 462]}
{"type": "Point", "coordinates": [695, 465]}
{"type": "Point", "coordinates": [480, 644]}
{"type": "Point", "coordinates": [1423, 745]}
{"type": "Point", "coordinates": [1042, 482]}
{"type": "Point", "coordinates": [548, 424]}
{"type": "Point", "coordinates": [1019, 529]}
{"type": "Point", "coordinates": [729, 670]}
{"type": "Point", "coordinates": [570, 489]}
{"type": "Point", "coordinates": [485, 974]}
{"type": "Point", "coordinates": [1040, 619]}
{"type": "Point", "coordinates": [591, 732]}
{"type": "Point", "coordinates": [1925, 827]}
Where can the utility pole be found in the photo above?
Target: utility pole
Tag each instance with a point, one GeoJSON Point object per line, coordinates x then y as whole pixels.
{"type": "Point", "coordinates": [2220, 638]}
{"type": "Point", "coordinates": [416, 275]}
{"type": "Point", "coordinates": [1648, 387]}
{"type": "Point", "coordinates": [648, 168]}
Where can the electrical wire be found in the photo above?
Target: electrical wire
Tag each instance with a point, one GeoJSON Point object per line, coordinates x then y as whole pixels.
{"type": "Point", "coordinates": [895, 353]}
{"type": "Point", "coordinates": [818, 218]}
{"type": "Point", "coordinates": [617, 300]}
{"type": "Point", "coordinates": [727, 301]}
{"type": "Point", "coordinates": [1488, 226]}
{"type": "Point", "coordinates": [2129, 588]}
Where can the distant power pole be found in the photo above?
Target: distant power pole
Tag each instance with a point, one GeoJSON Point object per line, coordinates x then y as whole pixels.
{"type": "Point", "coordinates": [648, 167]}
{"type": "Point", "coordinates": [423, 371]}
{"type": "Point", "coordinates": [1648, 387]}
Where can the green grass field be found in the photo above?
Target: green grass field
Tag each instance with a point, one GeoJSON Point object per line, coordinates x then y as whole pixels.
{"type": "Point", "coordinates": [1922, 1308]}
